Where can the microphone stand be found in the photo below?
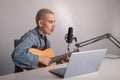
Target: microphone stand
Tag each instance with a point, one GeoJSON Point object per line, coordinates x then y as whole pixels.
{"type": "Point", "coordinates": [93, 40]}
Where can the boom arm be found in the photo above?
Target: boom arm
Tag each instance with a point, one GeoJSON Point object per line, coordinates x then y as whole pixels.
{"type": "Point", "coordinates": [93, 40]}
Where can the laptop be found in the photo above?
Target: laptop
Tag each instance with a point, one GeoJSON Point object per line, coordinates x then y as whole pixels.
{"type": "Point", "coordinates": [81, 63]}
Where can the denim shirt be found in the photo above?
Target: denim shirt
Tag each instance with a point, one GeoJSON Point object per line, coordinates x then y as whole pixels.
{"type": "Point", "coordinates": [21, 56]}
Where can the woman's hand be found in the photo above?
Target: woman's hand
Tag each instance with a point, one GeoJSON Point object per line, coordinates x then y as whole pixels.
{"type": "Point", "coordinates": [44, 60]}
{"type": "Point", "coordinates": [66, 58]}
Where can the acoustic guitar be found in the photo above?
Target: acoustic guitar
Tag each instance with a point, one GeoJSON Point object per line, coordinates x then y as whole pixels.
{"type": "Point", "coordinates": [50, 53]}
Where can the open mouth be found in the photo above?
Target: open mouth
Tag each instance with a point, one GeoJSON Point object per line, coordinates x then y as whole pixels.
{"type": "Point", "coordinates": [52, 30]}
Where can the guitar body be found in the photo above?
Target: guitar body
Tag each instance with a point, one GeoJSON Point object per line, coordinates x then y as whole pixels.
{"type": "Point", "coordinates": [47, 52]}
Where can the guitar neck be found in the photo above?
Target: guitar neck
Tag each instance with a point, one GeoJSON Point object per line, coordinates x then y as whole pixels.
{"type": "Point", "coordinates": [61, 57]}
{"type": "Point", "coordinates": [58, 58]}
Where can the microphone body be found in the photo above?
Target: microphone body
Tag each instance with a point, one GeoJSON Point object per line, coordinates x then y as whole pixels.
{"type": "Point", "coordinates": [70, 35]}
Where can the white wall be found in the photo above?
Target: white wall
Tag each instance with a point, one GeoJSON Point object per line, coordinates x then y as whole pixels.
{"type": "Point", "coordinates": [116, 24]}
{"type": "Point", "coordinates": [89, 18]}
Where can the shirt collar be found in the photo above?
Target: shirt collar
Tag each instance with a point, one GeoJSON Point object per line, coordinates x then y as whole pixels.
{"type": "Point", "coordinates": [41, 35]}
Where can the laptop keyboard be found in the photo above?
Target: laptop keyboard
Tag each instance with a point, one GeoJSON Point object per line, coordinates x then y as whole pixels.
{"type": "Point", "coordinates": [59, 71]}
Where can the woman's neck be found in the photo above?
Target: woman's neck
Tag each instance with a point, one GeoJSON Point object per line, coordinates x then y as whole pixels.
{"type": "Point", "coordinates": [42, 32]}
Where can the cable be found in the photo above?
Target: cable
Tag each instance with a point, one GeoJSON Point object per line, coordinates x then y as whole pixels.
{"type": "Point", "coordinates": [112, 57]}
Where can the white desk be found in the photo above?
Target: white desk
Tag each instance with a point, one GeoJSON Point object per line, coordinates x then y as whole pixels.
{"type": "Point", "coordinates": [109, 70]}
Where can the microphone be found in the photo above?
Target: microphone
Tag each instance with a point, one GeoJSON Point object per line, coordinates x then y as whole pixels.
{"type": "Point", "coordinates": [70, 35]}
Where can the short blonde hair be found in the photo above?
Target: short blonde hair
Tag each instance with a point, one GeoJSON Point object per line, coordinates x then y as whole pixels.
{"type": "Point", "coordinates": [41, 14]}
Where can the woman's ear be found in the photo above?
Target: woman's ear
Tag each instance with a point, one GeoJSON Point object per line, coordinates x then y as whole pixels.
{"type": "Point", "coordinates": [40, 22]}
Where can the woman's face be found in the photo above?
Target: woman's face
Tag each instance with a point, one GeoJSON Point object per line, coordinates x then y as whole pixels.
{"type": "Point", "coordinates": [47, 25]}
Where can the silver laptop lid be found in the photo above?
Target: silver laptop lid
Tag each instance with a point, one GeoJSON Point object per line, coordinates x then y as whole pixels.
{"type": "Point", "coordinates": [84, 62]}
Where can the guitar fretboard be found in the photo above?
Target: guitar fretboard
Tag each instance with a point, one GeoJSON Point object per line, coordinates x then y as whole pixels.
{"type": "Point", "coordinates": [61, 57]}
